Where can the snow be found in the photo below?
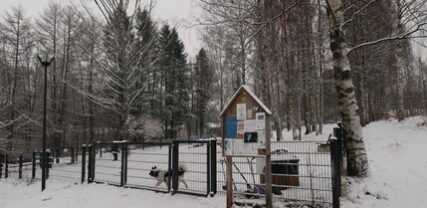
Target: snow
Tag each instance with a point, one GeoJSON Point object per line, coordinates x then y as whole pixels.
{"type": "Point", "coordinates": [398, 167]}
{"type": "Point", "coordinates": [397, 177]}
{"type": "Point", "coordinates": [16, 194]}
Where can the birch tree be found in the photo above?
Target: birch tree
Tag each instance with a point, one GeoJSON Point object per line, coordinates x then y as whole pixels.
{"type": "Point", "coordinates": [357, 160]}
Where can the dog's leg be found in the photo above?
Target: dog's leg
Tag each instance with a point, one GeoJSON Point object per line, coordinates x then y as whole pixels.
{"type": "Point", "coordinates": [183, 181]}
{"type": "Point", "coordinates": [166, 180]}
{"type": "Point", "coordinates": [158, 182]}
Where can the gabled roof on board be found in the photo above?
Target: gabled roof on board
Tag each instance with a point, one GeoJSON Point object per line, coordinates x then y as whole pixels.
{"type": "Point", "coordinates": [246, 88]}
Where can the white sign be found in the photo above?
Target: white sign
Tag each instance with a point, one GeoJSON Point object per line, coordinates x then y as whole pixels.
{"type": "Point", "coordinates": [238, 146]}
{"type": "Point", "coordinates": [261, 138]}
{"type": "Point", "coordinates": [241, 111]}
{"type": "Point", "coordinates": [250, 126]}
{"type": "Point", "coordinates": [249, 114]}
{"type": "Point", "coordinates": [260, 120]}
{"type": "Point", "coordinates": [228, 146]}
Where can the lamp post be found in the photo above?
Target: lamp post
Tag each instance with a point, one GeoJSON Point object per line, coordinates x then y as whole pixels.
{"type": "Point", "coordinates": [46, 62]}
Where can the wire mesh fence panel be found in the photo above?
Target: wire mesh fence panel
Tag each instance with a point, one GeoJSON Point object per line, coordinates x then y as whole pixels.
{"type": "Point", "coordinates": [142, 159]}
{"type": "Point", "coordinates": [108, 163]}
{"type": "Point", "coordinates": [66, 171]}
{"type": "Point", "coordinates": [301, 173]}
{"type": "Point", "coordinates": [66, 165]}
{"type": "Point", "coordinates": [193, 159]}
{"type": "Point", "coordinates": [19, 165]}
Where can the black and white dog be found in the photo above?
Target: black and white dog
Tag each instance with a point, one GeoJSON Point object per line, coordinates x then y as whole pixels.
{"type": "Point", "coordinates": [163, 176]}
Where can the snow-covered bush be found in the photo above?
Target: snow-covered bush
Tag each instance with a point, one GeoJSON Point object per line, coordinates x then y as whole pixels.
{"type": "Point", "coordinates": [145, 127]}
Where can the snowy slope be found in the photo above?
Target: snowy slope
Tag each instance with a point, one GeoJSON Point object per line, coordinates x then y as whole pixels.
{"type": "Point", "coordinates": [398, 167]}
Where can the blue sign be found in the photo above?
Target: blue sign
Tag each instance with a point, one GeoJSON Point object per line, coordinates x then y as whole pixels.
{"type": "Point", "coordinates": [231, 127]}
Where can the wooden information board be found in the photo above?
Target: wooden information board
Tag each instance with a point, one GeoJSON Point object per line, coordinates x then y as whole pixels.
{"type": "Point", "coordinates": [245, 132]}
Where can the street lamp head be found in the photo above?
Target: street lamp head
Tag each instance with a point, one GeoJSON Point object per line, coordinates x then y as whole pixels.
{"type": "Point", "coordinates": [46, 61]}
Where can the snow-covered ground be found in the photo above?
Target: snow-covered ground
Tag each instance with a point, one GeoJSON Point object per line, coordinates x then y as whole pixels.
{"type": "Point", "coordinates": [60, 194]}
{"type": "Point", "coordinates": [398, 166]}
{"type": "Point", "coordinates": [397, 178]}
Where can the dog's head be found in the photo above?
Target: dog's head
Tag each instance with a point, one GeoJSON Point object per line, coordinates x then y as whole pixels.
{"type": "Point", "coordinates": [154, 172]}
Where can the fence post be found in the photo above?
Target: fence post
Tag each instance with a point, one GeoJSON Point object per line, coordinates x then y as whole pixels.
{"type": "Point", "coordinates": [57, 154]}
{"type": "Point", "coordinates": [213, 168]}
{"type": "Point", "coordinates": [340, 151]}
{"type": "Point", "coordinates": [33, 172]}
{"type": "Point", "coordinates": [91, 164]}
{"type": "Point", "coordinates": [209, 168]}
{"type": "Point", "coordinates": [72, 155]}
{"type": "Point", "coordinates": [20, 166]}
{"type": "Point", "coordinates": [169, 166]}
{"type": "Point", "coordinates": [175, 166]}
{"type": "Point", "coordinates": [336, 155]}
{"type": "Point", "coordinates": [89, 171]}
{"type": "Point", "coordinates": [1, 165]}
{"type": "Point", "coordinates": [123, 173]}
{"type": "Point", "coordinates": [6, 167]}
{"type": "Point", "coordinates": [47, 163]}
{"type": "Point", "coordinates": [77, 154]}
{"type": "Point", "coordinates": [83, 162]}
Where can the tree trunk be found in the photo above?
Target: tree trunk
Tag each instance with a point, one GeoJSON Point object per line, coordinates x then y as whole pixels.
{"type": "Point", "coordinates": [356, 154]}
{"type": "Point", "coordinates": [398, 28]}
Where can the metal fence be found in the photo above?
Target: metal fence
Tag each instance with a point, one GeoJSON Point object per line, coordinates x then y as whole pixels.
{"type": "Point", "coordinates": [304, 173]}
{"type": "Point", "coordinates": [180, 166]}
{"type": "Point", "coordinates": [16, 165]}
{"type": "Point", "coordinates": [67, 163]}
{"type": "Point", "coordinates": [27, 165]}
{"type": "Point", "coordinates": [301, 173]}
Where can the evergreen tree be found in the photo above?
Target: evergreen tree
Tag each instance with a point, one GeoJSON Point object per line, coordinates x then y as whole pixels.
{"type": "Point", "coordinates": [174, 72]}
{"type": "Point", "coordinates": [204, 75]}
{"type": "Point", "coordinates": [146, 35]}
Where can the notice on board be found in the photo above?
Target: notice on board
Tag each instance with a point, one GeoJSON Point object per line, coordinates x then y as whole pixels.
{"type": "Point", "coordinates": [241, 111]}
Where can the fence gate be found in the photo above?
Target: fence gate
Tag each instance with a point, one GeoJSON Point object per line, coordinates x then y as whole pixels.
{"type": "Point", "coordinates": [304, 173]}
{"type": "Point", "coordinates": [129, 165]}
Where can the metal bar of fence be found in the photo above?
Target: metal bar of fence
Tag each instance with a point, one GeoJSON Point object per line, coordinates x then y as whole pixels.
{"type": "Point", "coordinates": [126, 162]}
{"type": "Point", "coordinates": [122, 169]}
{"type": "Point", "coordinates": [65, 171]}
{"type": "Point", "coordinates": [175, 166]}
{"type": "Point", "coordinates": [72, 155]}
{"type": "Point", "coordinates": [62, 176]}
{"type": "Point", "coordinates": [90, 163]}
{"type": "Point", "coordinates": [33, 173]}
{"type": "Point", "coordinates": [20, 166]}
{"type": "Point", "coordinates": [214, 167]}
{"type": "Point", "coordinates": [335, 160]}
{"type": "Point", "coordinates": [149, 153]}
{"type": "Point", "coordinates": [169, 165]}
{"type": "Point", "coordinates": [83, 163]}
{"type": "Point", "coordinates": [111, 167]}
{"type": "Point", "coordinates": [6, 167]}
{"type": "Point", "coordinates": [146, 161]}
{"type": "Point", "coordinates": [149, 188]}
{"type": "Point", "coordinates": [208, 171]}
{"type": "Point", "coordinates": [129, 168]}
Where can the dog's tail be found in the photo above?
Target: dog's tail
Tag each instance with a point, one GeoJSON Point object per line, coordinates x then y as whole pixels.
{"type": "Point", "coordinates": [182, 167]}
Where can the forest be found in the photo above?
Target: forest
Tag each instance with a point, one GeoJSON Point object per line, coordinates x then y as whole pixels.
{"type": "Point", "coordinates": [124, 75]}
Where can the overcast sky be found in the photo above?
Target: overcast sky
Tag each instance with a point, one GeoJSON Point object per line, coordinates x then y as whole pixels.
{"type": "Point", "coordinates": [178, 13]}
